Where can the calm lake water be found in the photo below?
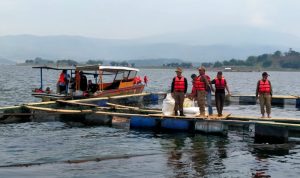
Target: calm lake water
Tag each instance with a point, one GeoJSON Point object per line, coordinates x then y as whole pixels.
{"type": "Point", "coordinates": [120, 152]}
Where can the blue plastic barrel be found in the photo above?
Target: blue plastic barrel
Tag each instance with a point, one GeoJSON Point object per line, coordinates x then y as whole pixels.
{"type": "Point", "coordinates": [143, 122]}
{"type": "Point", "coordinates": [176, 124]}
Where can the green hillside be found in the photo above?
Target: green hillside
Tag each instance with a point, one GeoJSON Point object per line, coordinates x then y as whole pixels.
{"type": "Point", "coordinates": [277, 60]}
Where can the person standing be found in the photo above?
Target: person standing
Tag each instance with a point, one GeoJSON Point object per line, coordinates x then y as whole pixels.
{"type": "Point", "coordinates": [178, 90]}
{"type": "Point", "coordinates": [200, 85]}
{"type": "Point", "coordinates": [137, 80]}
{"type": "Point", "coordinates": [220, 84]}
{"type": "Point", "coordinates": [193, 93]}
{"type": "Point", "coordinates": [83, 81]}
{"type": "Point", "coordinates": [77, 80]}
{"type": "Point", "coordinates": [264, 93]}
{"type": "Point", "coordinates": [208, 93]}
{"type": "Point", "coordinates": [72, 86]}
{"type": "Point", "coordinates": [146, 80]}
{"type": "Point", "coordinates": [62, 81]}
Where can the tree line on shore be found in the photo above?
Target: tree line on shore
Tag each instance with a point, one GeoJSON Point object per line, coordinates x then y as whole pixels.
{"type": "Point", "coordinates": [289, 59]}
{"type": "Point", "coordinates": [70, 62]}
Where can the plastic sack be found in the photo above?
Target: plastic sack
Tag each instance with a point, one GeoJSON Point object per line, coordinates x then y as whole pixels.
{"type": "Point", "coordinates": [191, 111]}
{"type": "Point", "coordinates": [189, 108]}
{"type": "Point", "coordinates": [188, 103]}
{"type": "Point", "coordinates": [168, 105]}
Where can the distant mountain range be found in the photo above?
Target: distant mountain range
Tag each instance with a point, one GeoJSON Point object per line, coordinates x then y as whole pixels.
{"type": "Point", "coordinates": [198, 46]}
{"type": "Point", "coordinates": [5, 61]}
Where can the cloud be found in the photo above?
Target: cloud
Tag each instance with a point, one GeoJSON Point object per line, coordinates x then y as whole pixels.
{"type": "Point", "coordinates": [139, 18]}
{"type": "Point", "coordinates": [259, 20]}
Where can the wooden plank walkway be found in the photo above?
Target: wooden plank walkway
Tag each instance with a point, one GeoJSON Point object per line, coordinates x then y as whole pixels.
{"type": "Point", "coordinates": [274, 96]}
{"type": "Point", "coordinates": [213, 117]}
{"type": "Point", "coordinates": [253, 118]}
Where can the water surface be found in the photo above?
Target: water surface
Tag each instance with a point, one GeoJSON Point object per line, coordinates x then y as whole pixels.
{"type": "Point", "coordinates": [43, 149]}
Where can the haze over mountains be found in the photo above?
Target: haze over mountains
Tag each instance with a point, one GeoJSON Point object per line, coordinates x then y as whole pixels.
{"type": "Point", "coordinates": [207, 45]}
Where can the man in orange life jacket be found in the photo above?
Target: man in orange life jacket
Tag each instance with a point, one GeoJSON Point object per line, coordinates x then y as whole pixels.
{"type": "Point", "coordinates": [221, 85]}
{"type": "Point", "coordinates": [62, 81]}
{"type": "Point", "coordinates": [137, 80]}
{"type": "Point", "coordinates": [200, 86]}
{"type": "Point", "coordinates": [264, 90]}
{"type": "Point", "coordinates": [178, 90]}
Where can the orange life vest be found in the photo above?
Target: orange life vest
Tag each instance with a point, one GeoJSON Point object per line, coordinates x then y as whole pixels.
{"type": "Point", "coordinates": [199, 85]}
{"type": "Point", "coordinates": [61, 79]}
{"type": "Point", "coordinates": [220, 84]}
{"type": "Point", "coordinates": [145, 79]}
{"type": "Point", "coordinates": [264, 87]}
{"type": "Point", "coordinates": [179, 84]}
{"type": "Point", "coordinates": [137, 80]}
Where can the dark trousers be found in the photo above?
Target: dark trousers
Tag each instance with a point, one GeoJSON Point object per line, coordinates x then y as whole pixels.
{"type": "Point", "coordinates": [220, 98]}
{"type": "Point", "coordinates": [62, 89]}
{"type": "Point", "coordinates": [179, 99]}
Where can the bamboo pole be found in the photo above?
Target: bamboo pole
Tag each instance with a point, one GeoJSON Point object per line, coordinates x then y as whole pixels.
{"type": "Point", "coordinates": [121, 106]}
{"type": "Point", "coordinates": [58, 110]}
{"type": "Point", "coordinates": [131, 95]}
{"type": "Point", "coordinates": [76, 103]}
{"type": "Point", "coordinates": [119, 114]}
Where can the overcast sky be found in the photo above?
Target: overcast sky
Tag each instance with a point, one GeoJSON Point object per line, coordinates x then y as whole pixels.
{"type": "Point", "coordinates": [126, 19]}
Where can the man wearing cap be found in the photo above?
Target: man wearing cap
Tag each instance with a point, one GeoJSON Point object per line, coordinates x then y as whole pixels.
{"type": "Point", "coordinates": [264, 93]}
{"type": "Point", "coordinates": [221, 85]}
{"type": "Point", "coordinates": [178, 90]}
{"type": "Point", "coordinates": [200, 85]}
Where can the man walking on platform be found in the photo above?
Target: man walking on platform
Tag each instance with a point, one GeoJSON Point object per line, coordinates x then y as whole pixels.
{"type": "Point", "coordinates": [264, 93]}
{"type": "Point", "coordinates": [221, 85]}
{"type": "Point", "coordinates": [178, 89]}
{"type": "Point", "coordinates": [200, 85]}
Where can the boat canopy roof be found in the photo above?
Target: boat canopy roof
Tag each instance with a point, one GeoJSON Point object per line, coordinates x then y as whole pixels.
{"type": "Point", "coordinates": [113, 69]}
{"type": "Point", "coordinates": [54, 68]}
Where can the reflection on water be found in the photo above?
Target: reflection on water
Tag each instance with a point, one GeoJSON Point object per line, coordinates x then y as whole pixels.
{"type": "Point", "coordinates": [120, 152]}
{"type": "Point", "coordinates": [264, 152]}
{"type": "Point", "coordinates": [115, 152]}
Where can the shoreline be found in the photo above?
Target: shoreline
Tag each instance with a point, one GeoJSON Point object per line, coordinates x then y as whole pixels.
{"type": "Point", "coordinates": [234, 69]}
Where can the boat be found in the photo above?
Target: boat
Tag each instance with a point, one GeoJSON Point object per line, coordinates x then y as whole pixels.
{"type": "Point", "coordinates": [108, 81]}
